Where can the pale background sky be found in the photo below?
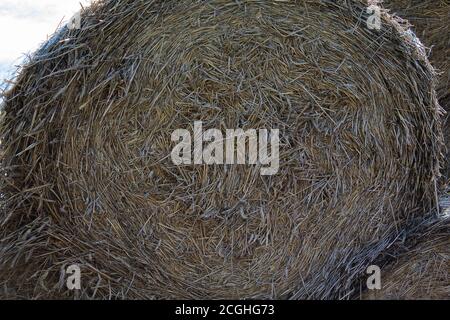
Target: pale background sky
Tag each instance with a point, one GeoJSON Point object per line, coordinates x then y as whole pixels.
{"type": "Point", "coordinates": [25, 24]}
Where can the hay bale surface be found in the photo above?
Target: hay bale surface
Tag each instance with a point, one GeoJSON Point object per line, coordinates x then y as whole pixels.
{"type": "Point", "coordinates": [86, 140]}
{"type": "Point", "coordinates": [422, 270]}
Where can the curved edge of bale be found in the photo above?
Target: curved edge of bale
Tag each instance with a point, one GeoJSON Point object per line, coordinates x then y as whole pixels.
{"type": "Point", "coordinates": [429, 20]}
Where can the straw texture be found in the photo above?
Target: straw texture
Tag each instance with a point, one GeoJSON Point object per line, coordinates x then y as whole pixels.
{"type": "Point", "coordinates": [86, 139]}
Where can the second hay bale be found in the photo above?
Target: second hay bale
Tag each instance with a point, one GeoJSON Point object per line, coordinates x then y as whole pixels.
{"type": "Point", "coordinates": [422, 270]}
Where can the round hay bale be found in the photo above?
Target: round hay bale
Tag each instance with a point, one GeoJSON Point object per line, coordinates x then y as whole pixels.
{"type": "Point", "coordinates": [423, 271]}
{"type": "Point", "coordinates": [88, 175]}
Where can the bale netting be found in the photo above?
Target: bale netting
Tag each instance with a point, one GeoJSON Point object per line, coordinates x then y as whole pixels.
{"type": "Point", "coordinates": [90, 180]}
{"type": "Point", "coordinates": [422, 270]}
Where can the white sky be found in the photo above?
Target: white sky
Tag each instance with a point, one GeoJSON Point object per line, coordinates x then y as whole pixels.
{"type": "Point", "coordinates": [25, 24]}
